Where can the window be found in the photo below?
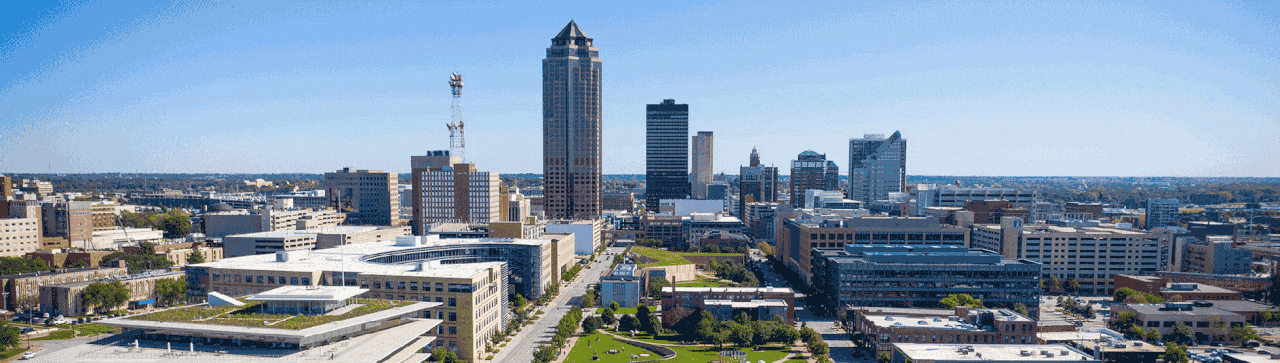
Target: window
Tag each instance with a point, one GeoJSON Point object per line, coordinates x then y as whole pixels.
{"type": "Point", "coordinates": [293, 280]}
{"type": "Point", "coordinates": [306, 281]}
{"type": "Point", "coordinates": [439, 287]}
{"type": "Point", "coordinates": [271, 280]}
{"type": "Point", "coordinates": [453, 316]}
{"type": "Point", "coordinates": [453, 330]}
{"type": "Point", "coordinates": [453, 301]}
{"type": "Point", "coordinates": [413, 286]}
{"type": "Point", "coordinates": [400, 285]}
{"type": "Point", "coordinates": [248, 278]}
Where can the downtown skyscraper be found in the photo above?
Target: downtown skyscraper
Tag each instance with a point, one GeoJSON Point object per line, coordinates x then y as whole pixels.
{"type": "Point", "coordinates": [571, 127]}
{"type": "Point", "coordinates": [877, 167]}
{"type": "Point", "coordinates": [812, 171]}
{"type": "Point", "coordinates": [666, 152]}
{"type": "Point", "coordinates": [701, 159]}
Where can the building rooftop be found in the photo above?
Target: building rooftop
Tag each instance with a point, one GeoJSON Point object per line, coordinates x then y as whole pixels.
{"type": "Point", "coordinates": [1237, 305]}
{"type": "Point", "coordinates": [1177, 287]}
{"type": "Point", "coordinates": [729, 289]}
{"type": "Point", "coordinates": [308, 293]}
{"type": "Point", "coordinates": [275, 234]}
{"type": "Point", "coordinates": [951, 323]}
{"type": "Point", "coordinates": [353, 258]}
{"type": "Point", "coordinates": [137, 276]}
{"type": "Point", "coordinates": [747, 304]}
{"type": "Point", "coordinates": [991, 352]}
{"type": "Point", "coordinates": [1189, 310]}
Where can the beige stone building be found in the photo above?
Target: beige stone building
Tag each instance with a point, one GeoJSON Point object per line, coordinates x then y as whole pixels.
{"type": "Point", "coordinates": [19, 236]}
{"type": "Point", "coordinates": [222, 224]}
{"type": "Point", "coordinates": [473, 300]}
{"type": "Point", "coordinates": [1091, 255]}
{"type": "Point", "coordinates": [22, 291]}
{"type": "Point", "coordinates": [68, 298]}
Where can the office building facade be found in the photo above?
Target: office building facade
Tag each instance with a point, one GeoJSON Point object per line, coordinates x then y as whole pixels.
{"type": "Point", "coordinates": [756, 183]}
{"type": "Point", "coordinates": [72, 221]}
{"type": "Point", "coordinates": [1162, 213]}
{"type": "Point", "coordinates": [877, 167]}
{"type": "Point", "coordinates": [1089, 254]}
{"type": "Point", "coordinates": [812, 171]}
{"type": "Point", "coordinates": [702, 157]}
{"type": "Point", "coordinates": [571, 126]}
{"type": "Point", "coordinates": [919, 276]}
{"type": "Point", "coordinates": [367, 197]}
{"type": "Point", "coordinates": [448, 190]}
{"type": "Point", "coordinates": [800, 238]}
{"type": "Point", "coordinates": [666, 152]}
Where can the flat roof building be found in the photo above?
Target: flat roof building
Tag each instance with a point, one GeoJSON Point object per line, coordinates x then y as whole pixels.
{"type": "Point", "coordinates": [800, 237]}
{"type": "Point", "coordinates": [920, 276]}
{"type": "Point", "coordinates": [965, 325]}
{"type": "Point", "coordinates": [1089, 254]}
{"type": "Point", "coordinates": [368, 197]}
{"type": "Point", "coordinates": [996, 353]}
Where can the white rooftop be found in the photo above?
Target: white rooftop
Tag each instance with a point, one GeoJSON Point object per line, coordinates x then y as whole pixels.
{"type": "Point", "coordinates": [992, 352]}
{"type": "Point", "coordinates": [275, 234]}
{"type": "Point", "coordinates": [308, 293]}
{"type": "Point", "coordinates": [350, 258]}
{"type": "Point", "coordinates": [921, 323]}
{"type": "Point", "coordinates": [729, 289]}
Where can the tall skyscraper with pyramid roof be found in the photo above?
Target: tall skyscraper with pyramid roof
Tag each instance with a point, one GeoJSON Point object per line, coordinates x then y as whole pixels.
{"type": "Point", "coordinates": [571, 127]}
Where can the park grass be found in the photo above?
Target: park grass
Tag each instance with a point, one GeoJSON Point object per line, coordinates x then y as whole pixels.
{"type": "Point", "coordinates": [250, 316]}
{"type": "Point", "coordinates": [625, 311]}
{"type": "Point", "coordinates": [9, 353]}
{"type": "Point", "coordinates": [669, 258]}
{"type": "Point", "coordinates": [705, 283]}
{"type": "Point", "coordinates": [57, 335]}
{"type": "Point", "coordinates": [581, 352]}
{"type": "Point", "coordinates": [87, 330]}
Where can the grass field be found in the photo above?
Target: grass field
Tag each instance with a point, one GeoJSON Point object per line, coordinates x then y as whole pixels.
{"type": "Point", "coordinates": [669, 258]}
{"type": "Point", "coordinates": [249, 315]}
{"type": "Point", "coordinates": [625, 311]}
{"type": "Point", "coordinates": [705, 283]}
{"type": "Point", "coordinates": [57, 335]}
{"type": "Point", "coordinates": [6, 354]}
{"type": "Point", "coordinates": [588, 345]}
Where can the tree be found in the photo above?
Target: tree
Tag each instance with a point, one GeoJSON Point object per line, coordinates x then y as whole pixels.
{"type": "Point", "coordinates": [884, 358]}
{"type": "Point", "coordinates": [1181, 332]}
{"type": "Point", "coordinates": [607, 316]}
{"type": "Point", "coordinates": [9, 335]}
{"type": "Point", "coordinates": [707, 327]}
{"type": "Point", "coordinates": [741, 335]}
{"type": "Point", "coordinates": [819, 348]}
{"type": "Point", "coordinates": [1243, 334]}
{"type": "Point", "coordinates": [656, 285]}
{"type": "Point", "coordinates": [171, 290]}
{"type": "Point", "coordinates": [1174, 353]}
{"type": "Point", "coordinates": [628, 323]}
{"type": "Point", "coordinates": [648, 322]}
{"type": "Point", "coordinates": [1054, 283]}
{"type": "Point", "coordinates": [1072, 286]}
{"type": "Point", "coordinates": [1021, 308]}
{"type": "Point", "coordinates": [1088, 312]}
{"type": "Point", "coordinates": [1259, 269]}
{"type": "Point", "coordinates": [195, 257]}
{"type": "Point", "coordinates": [1123, 322]}
{"type": "Point", "coordinates": [19, 265]}
{"type": "Point", "coordinates": [520, 302]}
{"type": "Point", "coordinates": [614, 305]}
{"type": "Point", "coordinates": [765, 248]}
{"type": "Point", "coordinates": [442, 355]}
{"type": "Point", "coordinates": [954, 300]}
{"type": "Point", "coordinates": [786, 334]}
{"type": "Point", "coordinates": [105, 295]}
{"type": "Point", "coordinates": [589, 325]}
{"type": "Point", "coordinates": [589, 299]}
{"type": "Point", "coordinates": [176, 224]}
{"type": "Point", "coordinates": [78, 264]}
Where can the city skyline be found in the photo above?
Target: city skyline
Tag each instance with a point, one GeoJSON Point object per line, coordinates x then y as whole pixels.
{"type": "Point", "coordinates": [1047, 89]}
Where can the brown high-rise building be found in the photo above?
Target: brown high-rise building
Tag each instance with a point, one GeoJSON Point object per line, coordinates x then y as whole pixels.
{"type": "Point", "coordinates": [571, 128]}
{"type": "Point", "coordinates": [447, 190]}
{"type": "Point", "coordinates": [368, 197]}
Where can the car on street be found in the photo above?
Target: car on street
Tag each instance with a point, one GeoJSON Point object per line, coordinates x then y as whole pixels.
{"type": "Point", "coordinates": [28, 355]}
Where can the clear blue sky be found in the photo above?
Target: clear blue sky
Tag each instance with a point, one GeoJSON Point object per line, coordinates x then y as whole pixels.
{"type": "Point", "coordinates": [1160, 88]}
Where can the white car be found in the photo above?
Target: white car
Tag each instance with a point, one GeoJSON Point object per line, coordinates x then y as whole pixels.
{"type": "Point", "coordinates": [28, 355]}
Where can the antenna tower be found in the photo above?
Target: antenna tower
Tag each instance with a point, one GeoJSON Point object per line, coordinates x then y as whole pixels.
{"type": "Point", "coordinates": [457, 142]}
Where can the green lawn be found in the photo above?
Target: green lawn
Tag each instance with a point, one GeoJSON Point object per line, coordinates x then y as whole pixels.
{"type": "Point", "coordinates": [249, 315]}
{"type": "Point", "coordinates": [705, 283]}
{"type": "Point", "coordinates": [586, 346]}
{"type": "Point", "coordinates": [626, 311]}
{"type": "Point", "coordinates": [57, 335]}
{"type": "Point", "coordinates": [669, 258]}
{"type": "Point", "coordinates": [6, 354]}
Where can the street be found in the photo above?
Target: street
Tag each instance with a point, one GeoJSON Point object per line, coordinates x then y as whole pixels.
{"type": "Point", "coordinates": [842, 349]}
{"type": "Point", "coordinates": [522, 345]}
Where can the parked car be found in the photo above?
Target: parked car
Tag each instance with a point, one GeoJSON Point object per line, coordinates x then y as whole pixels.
{"type": "Point", "coordinates": [1250, 344]}
{"type": "Point", "coordinates": [28, 355]}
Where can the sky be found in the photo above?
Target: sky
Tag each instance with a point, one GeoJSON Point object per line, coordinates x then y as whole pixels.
{"type": "Point", "coordinates": [1034, 88]}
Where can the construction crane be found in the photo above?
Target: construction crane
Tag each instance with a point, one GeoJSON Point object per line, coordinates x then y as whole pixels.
{"type": "Point", "coordinates": [457, 142]}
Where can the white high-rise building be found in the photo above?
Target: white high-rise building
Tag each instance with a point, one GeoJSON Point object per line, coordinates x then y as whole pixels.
{"type": "Point", "coordinates": [877, 167]}
{"type": "Point", "coordinates": [1162, 213]}
{"type": "Point", "coordinates": [703, 173]}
